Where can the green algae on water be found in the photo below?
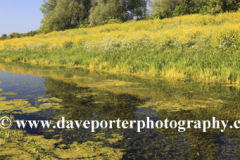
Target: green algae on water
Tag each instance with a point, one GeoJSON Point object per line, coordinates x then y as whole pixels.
{"type": "Point", "coordinates": [23, 106]}
{"type": "Point", "coordinates": [174, 106]}
{"type": "Point", "coordinates": [52, 99]}
{"type": "Point", "coordinates": [24, 146]}
{"type": "Point", "coordinates": [8, 94]}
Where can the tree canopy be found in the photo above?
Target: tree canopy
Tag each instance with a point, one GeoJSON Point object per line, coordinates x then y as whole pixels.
{"type": "Point", "coordinates": [66, 14]}
{"type": "Point", "coordinates": [103, 11]}
{"type": "Point", "coordinates": [170, 8]}
{"type": "Point", "coordinates": [63, 14]}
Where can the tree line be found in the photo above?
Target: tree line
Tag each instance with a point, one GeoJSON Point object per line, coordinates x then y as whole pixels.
{"type": "Point", "coordinates": [170, 8]}
{"type": "Point", "coordinates": [67, 14]}
{"type": "Point", "coordinates": [19, 35]}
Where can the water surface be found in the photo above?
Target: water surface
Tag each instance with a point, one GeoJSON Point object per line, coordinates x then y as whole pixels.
{"type": "Point", "coordinates": [50, 92]}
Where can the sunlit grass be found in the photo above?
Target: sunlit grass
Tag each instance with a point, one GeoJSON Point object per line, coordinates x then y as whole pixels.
{"type": "Point", "coordinates": [200, 47]}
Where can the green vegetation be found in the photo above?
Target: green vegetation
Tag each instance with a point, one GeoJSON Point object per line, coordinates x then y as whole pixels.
{"type": "Point", "coordinates": [67, 14]}
{"type": "Point", "coordinates": [199, 47]}
{"type": "Point", "coordinates": [4, 36]}
{"type": "Point", "coordinates": [19, 35]}
{"type": "Point", "coordinates": [63, 14]}
{"type": "Point", "coordinates": [170, 8]}
{"type": "Point", "coordinates": [112, 10]}
{"type": "Point", "coordinates": [17, 144]}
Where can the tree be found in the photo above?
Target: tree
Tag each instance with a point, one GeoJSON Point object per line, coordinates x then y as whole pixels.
{"type": "Point", "coordinates": [163, 8]}
{"type": "Point", "coordinates": [218, 6]}
{"type": "Point", "coordinates": [48, 6]}
{"type": "Point", "coordinates": [14, 35]}
{"type": "Point", "coordinates": [63, 14]}
{"type": "Point", "coordinates": [190, 7]}
{"type": "Point", "coordinates": [168, 8]}
{"type": "Point", "coordinates": [103, 11]}
{"type": "Point", "coordinates": [4, 36]}
{"type": "Point", "coordinates": [136, 8]}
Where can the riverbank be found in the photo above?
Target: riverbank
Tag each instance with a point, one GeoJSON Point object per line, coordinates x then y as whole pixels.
{"type": "Point", "coordinates": [199, 47]}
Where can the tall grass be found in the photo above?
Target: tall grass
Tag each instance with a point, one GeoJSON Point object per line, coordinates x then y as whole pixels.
{"type": "Point", "coordinates": [200, 47]}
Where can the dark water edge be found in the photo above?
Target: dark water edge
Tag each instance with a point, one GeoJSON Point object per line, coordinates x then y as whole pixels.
{"type": "Point", "coordinates": [93, 95]}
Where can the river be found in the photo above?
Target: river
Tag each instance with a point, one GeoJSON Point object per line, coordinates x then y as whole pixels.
{"type": "Point", "coordinates": [35, 92]}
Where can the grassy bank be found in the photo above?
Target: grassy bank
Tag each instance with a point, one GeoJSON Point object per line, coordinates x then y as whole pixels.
{"type": "Point", "coordinates": [200, 47]}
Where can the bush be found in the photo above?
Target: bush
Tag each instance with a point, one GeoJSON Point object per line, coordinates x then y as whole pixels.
{"type": "Point", "coordinates": [68, 44]}
{"type": "Point", "coordinates": [14, 35]}
{"type": "Point", "coordinates": [4, 36]}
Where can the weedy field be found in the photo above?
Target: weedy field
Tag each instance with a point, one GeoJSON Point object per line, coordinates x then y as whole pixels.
{"type": "Point", "coordinates": [198, 47]}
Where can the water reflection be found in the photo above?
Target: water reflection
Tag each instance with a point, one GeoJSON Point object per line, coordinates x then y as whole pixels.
{"type": "Point", "coordinates": [80, 94]}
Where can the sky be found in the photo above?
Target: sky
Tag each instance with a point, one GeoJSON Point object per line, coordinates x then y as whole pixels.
{"type": "Point", "coordinates": [20, 16]}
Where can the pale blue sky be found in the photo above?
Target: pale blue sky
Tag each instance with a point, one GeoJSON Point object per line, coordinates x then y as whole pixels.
{"type": "Point", "coordinates": [19, 16]}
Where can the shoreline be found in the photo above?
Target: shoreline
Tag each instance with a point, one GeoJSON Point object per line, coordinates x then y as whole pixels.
{"type": "Point", "coordinates": [137, 74]}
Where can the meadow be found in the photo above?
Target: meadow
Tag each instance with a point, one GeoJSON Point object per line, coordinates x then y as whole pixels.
{"type": "Point", "coordinates": [198, 47]}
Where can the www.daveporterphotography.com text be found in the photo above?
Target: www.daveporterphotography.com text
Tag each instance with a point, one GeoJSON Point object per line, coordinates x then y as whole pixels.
{"type": "Point", "coordinates": [180, 125]}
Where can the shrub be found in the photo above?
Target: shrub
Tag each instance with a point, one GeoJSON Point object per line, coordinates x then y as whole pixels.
{"type": "Point", "coordinates": [4, 36]}
{"type": "Point", "coordinates": [68, 44]}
